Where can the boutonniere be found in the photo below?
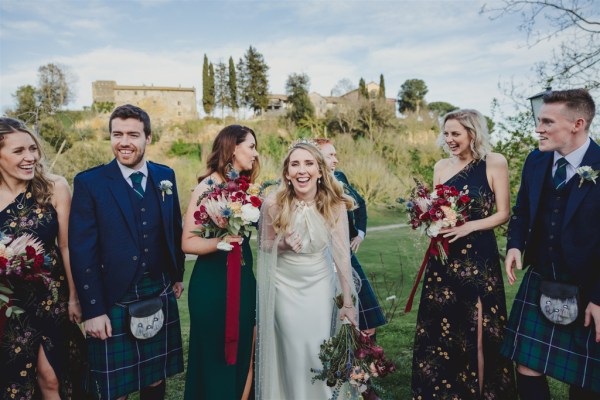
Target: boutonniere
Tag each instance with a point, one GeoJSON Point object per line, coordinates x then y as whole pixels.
{"type": "Point", "coordinates": [587, 174]}
{"type": "Point", "coordinates": [165, 187]}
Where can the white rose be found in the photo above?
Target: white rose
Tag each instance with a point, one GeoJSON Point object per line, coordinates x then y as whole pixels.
{"type": "Point", "coordinates": [434, 229]}
{"type": "Point", "coordinates": [250, 213]}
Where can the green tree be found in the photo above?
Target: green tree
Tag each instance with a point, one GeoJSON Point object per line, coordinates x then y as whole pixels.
{"type": "Point", "coordinates": [254, 81]}
{"type": "Point", "coordinates": [411, 96]}
{"type": "Point", "coordinates": [441, 108]}
{"type": "Point", "coordinates": [27, 107]}
{"type": "Point", "coordinates": [381, 93]}
{"type": "Point", "coordinates": [362, 89]}
{"type": "Point", "coordinates": [297, 87]}
{"type": "Point", "coordinates": [54, 87]}
{"type": "Point", "coordinates": [208, 99]}
{"type": "Point", "coordinates": [232, 85]}
{"type": "Point", "coordinates": [221, 78]}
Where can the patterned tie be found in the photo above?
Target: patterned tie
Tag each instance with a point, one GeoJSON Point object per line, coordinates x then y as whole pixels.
{"type": "Point", "coordinates": [560, 175]}
{"type": "Point", "coordinates": [136, 179]}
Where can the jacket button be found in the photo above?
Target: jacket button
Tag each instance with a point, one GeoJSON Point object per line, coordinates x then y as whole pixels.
{"type": "Point", "coordinates": [86, 287]}
{"type": "Point", "coordinates": [93, 301]}
{"type": "Point", "coordinates": [134, 258]}
{"type": "Point", "coordinates": [143, 209]}
{"type": "Point", "coordinates": [146, 250]}
{"type": "Point", "coordinates": [514, 217]}
{"type": "Point", "coordinates": [87, 271]}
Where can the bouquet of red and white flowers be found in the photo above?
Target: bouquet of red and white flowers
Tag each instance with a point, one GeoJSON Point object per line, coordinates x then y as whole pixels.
{"type": "Point", "coordinates": [229, 208]}
{"type": "Point", "coordinates": [21, 258]}
{"type": "Point", "coordinates": [351, 357]}
{"type": "Point", "coordinates": [430, 212]}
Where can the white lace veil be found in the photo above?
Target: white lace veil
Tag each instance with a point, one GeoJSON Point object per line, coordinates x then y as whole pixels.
{"type": "Point", "coordinates": [338, 252]}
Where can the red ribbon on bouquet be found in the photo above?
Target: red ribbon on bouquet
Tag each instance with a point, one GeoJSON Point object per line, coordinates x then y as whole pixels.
{"type": "Point", "coordinates": [232, 311]}
{"type": "Point", "coordinates": [433, 250]}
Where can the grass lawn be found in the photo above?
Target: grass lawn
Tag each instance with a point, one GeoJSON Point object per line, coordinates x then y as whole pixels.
{"type": "Point", "coordinates": [391, 259]}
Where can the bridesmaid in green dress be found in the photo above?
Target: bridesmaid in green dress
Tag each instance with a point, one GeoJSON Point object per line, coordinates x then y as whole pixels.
{"type": "Point", "coordinates": [209, 376]}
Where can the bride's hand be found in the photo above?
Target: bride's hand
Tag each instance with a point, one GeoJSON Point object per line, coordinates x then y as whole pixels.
{"type": "Point", "coordinates": [350, 313]}
{"type": "Point", "coordinates": [294, 241]}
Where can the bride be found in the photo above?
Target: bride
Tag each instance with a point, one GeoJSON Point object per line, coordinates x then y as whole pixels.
{"type": "Point", "coordinates": [303, 263]}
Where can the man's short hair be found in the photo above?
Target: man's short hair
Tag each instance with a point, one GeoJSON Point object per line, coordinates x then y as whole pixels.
{"type": "Point", "coordinates": [130, 111]}
{"type": "Point", "coordinates": [577, 101]}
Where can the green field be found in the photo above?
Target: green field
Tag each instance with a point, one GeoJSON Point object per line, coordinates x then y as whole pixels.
{"type": "Point", "coordinates": [391, 259]}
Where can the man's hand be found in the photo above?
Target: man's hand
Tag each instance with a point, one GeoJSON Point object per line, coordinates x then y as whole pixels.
{"type": "Point", "coordinates": [98, 327]}
{"type": "Point", "coordinates": [592, 312]}
{"type": "Point", "coordinates": [355, 243]}
{"type": "Point", "coordinates": [513, 257]}
{"type": "Point", "coordinates": [178, 289]}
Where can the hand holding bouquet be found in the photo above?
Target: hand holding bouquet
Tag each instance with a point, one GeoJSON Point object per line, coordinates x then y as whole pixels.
{"type": "Point", "coordinates": [229, 208]}
{"type": "Point", "coordinates": [445, 207]}
{"type": "Point", "coordinates": [351, 357]}
{"type": "Point", "coordinates": [21, 258]}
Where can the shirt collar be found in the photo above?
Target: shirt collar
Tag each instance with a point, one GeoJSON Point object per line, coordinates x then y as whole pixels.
{"type": "Point", "coordinates": [126, 171]}
{"type": "Point", "coordinates": [575, 157]}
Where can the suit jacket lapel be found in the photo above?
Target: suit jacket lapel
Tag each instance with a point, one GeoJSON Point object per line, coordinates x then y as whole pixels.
{"type": "Point", "coordinates": [592, 159]}
{"type": "Point", "coordinates": [119, 188]}
{"type": "Point", "coordinates": [154, 178]}
{"type": "Point", "coordinates": [538, 178]}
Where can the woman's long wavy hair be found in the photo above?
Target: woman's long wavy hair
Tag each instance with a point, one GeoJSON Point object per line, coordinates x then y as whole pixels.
{"type": "Point", "coordinates": [476, 125]}
{"type": "Point", "coordinates": [330, 192]}
{"type": "Point", "coordinates": [220, 159]}
{"type": "Point", "coordinates": [42, 188]}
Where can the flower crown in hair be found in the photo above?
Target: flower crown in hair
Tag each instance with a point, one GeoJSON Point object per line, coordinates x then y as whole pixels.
{"type": "Point", "coordinates": [296, 142]}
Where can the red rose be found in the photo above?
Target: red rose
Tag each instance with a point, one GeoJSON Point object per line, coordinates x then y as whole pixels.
{"type": "Point", "coordinates": [464, 199]}
{"type": "Point", "coordinates": [255, 201]}
{"type": "Point", "coordinates": [3, 262]}
{"type": "Point", "coordinates": [30, 252]}
{"type": "Point", "coordinates": [244, 185]}
{"type": "Point", "coordinates": [39, 261]}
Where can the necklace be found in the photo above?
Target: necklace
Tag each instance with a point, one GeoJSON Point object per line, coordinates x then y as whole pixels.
{"type": "Point", "coordinates": [20, 204]}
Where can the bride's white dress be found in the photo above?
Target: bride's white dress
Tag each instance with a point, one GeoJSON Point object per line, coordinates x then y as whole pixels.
{"type": "Point", "coordinates": [299, 288]}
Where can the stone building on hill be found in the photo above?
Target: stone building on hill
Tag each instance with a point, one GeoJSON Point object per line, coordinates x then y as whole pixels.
{"type": "Point", "coordinates": [164, 104]}
{"type": "Point", "coordinates": [278, 103]}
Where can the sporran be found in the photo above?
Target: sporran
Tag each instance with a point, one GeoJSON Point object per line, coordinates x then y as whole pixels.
{"type": "Point", "coordinates": [559, 302]}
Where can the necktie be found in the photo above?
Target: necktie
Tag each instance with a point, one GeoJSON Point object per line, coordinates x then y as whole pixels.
{"type": "Point", "coordinates": [560, 175]}
{"type": "Point", "coordinates": [136, 180]}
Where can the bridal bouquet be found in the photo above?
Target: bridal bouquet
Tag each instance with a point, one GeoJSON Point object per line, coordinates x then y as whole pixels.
{"type": "Point", "coordinates": [429, 212]}
{"type": "Point", "coordinates": [229, 208]}
{"type": "Point", "coordinates": [351, 357]}
{"type": "Point", "coordinates": [21, 258]}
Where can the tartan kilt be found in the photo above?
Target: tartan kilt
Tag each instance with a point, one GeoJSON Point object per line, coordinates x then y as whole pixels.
{"type": "Point", "coordinates": [122, 364]}
{"type": "Point", "coordinates": [567, 353]}
{"type": "Point", "coordinates": [370, 314]}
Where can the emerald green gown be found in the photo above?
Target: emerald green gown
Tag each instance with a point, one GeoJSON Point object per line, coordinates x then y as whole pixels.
{"type": "Point", "coordinates": [208, 376]}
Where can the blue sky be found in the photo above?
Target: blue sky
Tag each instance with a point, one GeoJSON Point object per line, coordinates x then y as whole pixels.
{"type": "Point", "coordinates": [460, 54]}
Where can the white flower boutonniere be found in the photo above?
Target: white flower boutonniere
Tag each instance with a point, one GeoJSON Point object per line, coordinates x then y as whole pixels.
{"type": "Point", "coordinates": [587, 174]}
{"type": "Point", "coordinates": [165, 187]}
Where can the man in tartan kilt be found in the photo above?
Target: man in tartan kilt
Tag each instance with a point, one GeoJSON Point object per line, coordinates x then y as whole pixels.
{"type": "Point", "coordinates": [556, 224]}
{"type": "Point", "coordinates": [125, 246]}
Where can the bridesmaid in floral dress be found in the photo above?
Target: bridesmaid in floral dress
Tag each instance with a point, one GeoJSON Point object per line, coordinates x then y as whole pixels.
{"type": "Point", "coordinates": [462, 312]}
{"type": "Point", "coordinates": [41, 351]}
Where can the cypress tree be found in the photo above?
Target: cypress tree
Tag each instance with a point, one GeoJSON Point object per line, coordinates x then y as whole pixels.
{"type": "Point", "coordinates": [362, 89]}
{"type": "Point", "coordinates": [232, 85]}
{"type": "Point", "coordinates": [381, 93]}
{"type": "Point", "coordinates": [208, 100]}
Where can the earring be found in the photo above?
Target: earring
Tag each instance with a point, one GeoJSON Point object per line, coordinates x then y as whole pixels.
{"type": "Point", "coordinates": [318, 181]}
{"type": "Point", "coordinates": [289, 183]}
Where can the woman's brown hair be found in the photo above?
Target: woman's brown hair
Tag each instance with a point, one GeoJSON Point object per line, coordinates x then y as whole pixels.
{"type": "Point", "coordinates": [221, 158]}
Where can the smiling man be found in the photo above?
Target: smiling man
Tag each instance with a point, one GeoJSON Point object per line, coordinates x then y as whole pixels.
{"type": "Point", "coordinates": [554, 326]}
{"type": "Point", "coordinates": [125, 247]}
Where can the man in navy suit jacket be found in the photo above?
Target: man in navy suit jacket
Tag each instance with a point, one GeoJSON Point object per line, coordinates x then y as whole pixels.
{"type": "Point", "coordinates": [556, 224]}
{"type": "Point", "coordinates": [125, 245]}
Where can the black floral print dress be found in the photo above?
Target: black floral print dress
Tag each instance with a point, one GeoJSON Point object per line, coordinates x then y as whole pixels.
{"type": "Point", "coordinates": [445, 359]}
{"type": "Point", "coordinates": [45, 321]}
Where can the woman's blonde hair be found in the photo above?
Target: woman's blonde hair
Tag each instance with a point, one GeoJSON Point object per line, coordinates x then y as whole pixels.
{"type": "Point", "coordinates": [330, 192]}
{"type": "Point", "coordinates": [42, 188]}
{"type": "Point", "coordinates": [476, 125]}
